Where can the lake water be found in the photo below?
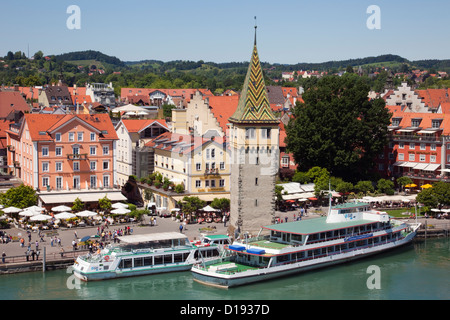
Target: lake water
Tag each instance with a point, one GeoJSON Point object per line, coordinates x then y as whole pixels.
{"type": "Point", "coordinates": [418, 271]}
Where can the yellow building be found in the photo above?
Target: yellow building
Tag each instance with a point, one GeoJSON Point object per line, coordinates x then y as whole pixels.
{"type": "Point", "coordinates": [200, 164]}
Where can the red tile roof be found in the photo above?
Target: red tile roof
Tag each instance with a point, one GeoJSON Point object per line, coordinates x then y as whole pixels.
{"type": "Point", "coordinates": [50, 122]}
{"type": "Point", "coordinates": [223, 107]}
{"type": "Point", "coordinates": [433, 97]}
{"type": "Point", "coordinates": [137, 125]}
{"type": "Point", "coordinates": [10, 101]}
{"type": "Point", "coordinates": [180, 143]}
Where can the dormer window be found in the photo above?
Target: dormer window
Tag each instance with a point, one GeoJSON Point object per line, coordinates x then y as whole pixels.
{"type": "Point", "coordinates": [415, 122]}
{"type": "Point", "coordinates": [436, 123]}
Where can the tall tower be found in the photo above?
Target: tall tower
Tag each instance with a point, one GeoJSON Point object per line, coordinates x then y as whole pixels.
{"type": "Point", "coordinates": [254, 135]}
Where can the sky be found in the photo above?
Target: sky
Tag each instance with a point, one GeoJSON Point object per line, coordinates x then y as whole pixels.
{"type": "Point", "coordinates": [289, 31]}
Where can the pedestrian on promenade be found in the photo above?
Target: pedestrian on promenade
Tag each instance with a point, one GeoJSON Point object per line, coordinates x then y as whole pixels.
{"type": "Point", "coordinates": [224, 219]}
{"type": "Point", "coordinates": [62, 252]}
{"type": "Point", "coordinates": [37, 245]}
{"type": "Point", "coordinates": [181, 228]}
{"type": "Point", "coordinates": [22, 242]}
{"type": "Point", "coordinates": [3, 257]}
{"type": "Point", "coordinates": [51, 241]}
{"type": "Point", "coordinates": [75, 234]}
{"type": "Point", "coordinates": [37, 254]}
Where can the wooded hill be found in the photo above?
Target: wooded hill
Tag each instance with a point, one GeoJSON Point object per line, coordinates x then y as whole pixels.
{"type": "Point", "coordinates": [92, 66]}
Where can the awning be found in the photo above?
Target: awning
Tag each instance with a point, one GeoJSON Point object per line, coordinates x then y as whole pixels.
{"type": "Point", "coordinates": [420, 166]}
{"type": "Point", "coordinates": [432, 167]}
{"type": "Point", "coordinates": [52, 198]}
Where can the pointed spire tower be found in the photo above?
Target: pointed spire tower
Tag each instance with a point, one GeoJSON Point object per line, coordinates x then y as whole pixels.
{"type": "Point", "coordinates": [254, 146]}
{"type": "Point", "coordinates": [254, 106]}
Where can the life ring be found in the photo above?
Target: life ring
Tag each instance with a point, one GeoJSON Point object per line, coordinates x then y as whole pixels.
{"type": "Point", "coordinates": [106, 258]}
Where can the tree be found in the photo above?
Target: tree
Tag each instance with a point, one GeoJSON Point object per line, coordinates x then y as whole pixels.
{"type": "Point", "coordinates": [20, 197]}
{"type": "Point", "coordinates": [385, 186]}
{"type": "Point", "coordinates": [404, 181]}
{"type": "Point", "coordinates": [104, 203]}
{"type": "Point", "coordinates": [192, 204]}
{"type": "Point", "coordinates": [223, 204]}
{"type": "Point", "coordinates": [364, 186]}
{"type": "Point", "coordinates": [78, 205]}
{"type": "Point", "coordinates": [427, 198]}
{"type": "Point", "coordinates": [338, 127]}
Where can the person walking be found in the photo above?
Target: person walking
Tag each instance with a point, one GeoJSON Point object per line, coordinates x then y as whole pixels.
{"type": "Point", "coordinates": [3, 257]}
{"type": "Point", "coordinates": [181, 228]}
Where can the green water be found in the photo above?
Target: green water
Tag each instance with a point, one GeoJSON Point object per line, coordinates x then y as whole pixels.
{"type": "Point", "coordinates": [418, 271]}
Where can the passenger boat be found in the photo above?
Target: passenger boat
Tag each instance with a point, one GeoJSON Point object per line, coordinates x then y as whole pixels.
{"type": "Point", "coordinates": [349, 231]}
{"type": "Point", "coordinates": [146, 254]}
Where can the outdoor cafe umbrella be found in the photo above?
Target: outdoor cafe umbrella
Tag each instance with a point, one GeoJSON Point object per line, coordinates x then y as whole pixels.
{"type": "Point", "coordinates": [61, 208]}
{"type": "Point", "coordinates": [119, 205]}
{"type": "Point", "coordinates": [28, 213]}
{"type": "Point", "coordinates": [35, 208]}
{"type": "Point", "coordinates": [86, 213]}
{"type": "Point", "coordinates": [12, 210]}
{"type": "Point", "coordinates": [208, 208]}
{"type": "Point", "coordinates": [64, 215]}
{"type": "Point", "coordinates": [120, 211]}
{"type": "Point", "coordinates": [426, 186]}
{"type": "Point", "coordinates": [411, 185]}
{"type": "Point", "coordinates": [40, 217]}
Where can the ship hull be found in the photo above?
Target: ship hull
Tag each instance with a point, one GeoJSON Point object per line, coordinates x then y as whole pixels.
{"type": "Point", "coordinates": [263, 274]}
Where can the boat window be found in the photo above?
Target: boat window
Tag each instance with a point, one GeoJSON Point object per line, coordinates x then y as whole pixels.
{"type": "Point", "coordinates": [296, 237]}
{"type": "Point", "coordinates": [126, 263]}
{"type": "Point", "coordinates": [168, 258]}
{"type": "Point", "coordinates": [158, 260]}
{"type": "Point", "coordinates": [178, 257]}
{"type": "Point", "coordinates": [138, 262]}
{"type": "Point", "coordinates": [148, 261]}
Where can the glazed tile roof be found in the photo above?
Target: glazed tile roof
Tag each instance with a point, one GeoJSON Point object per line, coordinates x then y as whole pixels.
{"type": "Point", "coordinates": [254, 106]}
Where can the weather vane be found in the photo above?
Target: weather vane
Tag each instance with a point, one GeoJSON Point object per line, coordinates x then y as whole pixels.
{"type": "Point", "coordinates": [256, 26]}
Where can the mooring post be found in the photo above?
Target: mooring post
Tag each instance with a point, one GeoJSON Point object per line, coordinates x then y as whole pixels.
{"type": "Point", "coordinates": [43, 259]}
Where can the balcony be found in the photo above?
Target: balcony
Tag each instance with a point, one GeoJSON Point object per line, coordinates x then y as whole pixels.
{"type": "Point", "coordinates": [212, 172]}
{"type": "Point", "coordinates": [427, 176]}
{"type": "Point", "coordinates": [416, 138]}
{"type": "Point", "coordinates": [76, 156]}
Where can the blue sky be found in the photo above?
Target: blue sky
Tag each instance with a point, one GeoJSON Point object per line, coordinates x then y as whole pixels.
{"type": "Point", "coordinates": [289, 31]}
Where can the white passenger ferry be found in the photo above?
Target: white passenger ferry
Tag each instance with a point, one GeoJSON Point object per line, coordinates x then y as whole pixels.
{"type": "Point", "coordinates": [145, 254]}
{"type": "Point", "coordinates": [350, 231]}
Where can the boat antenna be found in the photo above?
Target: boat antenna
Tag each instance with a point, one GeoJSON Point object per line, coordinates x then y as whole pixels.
{"type": "Point", "coordinates": [329, 198]}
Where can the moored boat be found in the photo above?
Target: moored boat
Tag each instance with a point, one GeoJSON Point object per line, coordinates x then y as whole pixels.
{"type": "Point", "coordinates": [350, 231]}
{"type": "Point", "coordinates": [145, 254]}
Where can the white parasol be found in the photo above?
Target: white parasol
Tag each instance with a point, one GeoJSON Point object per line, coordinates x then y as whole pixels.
{"type": "Point", "coordinates": [28, 213]}
{"type": "Point", "coordinates": [61, 208]}
{"type": "Point", "coordinates": [64, 215]}
{"type": "Point", "coordinates": [12, 210]}
{"type": "Point", "coordinates": [208, 208]}
{"type": "Point", "coordinates": [119, 205]}
{"type": "Point", "coordinates": [120, 211]}
{"type": "Point", "coordinates": [40, 217]}
{"type": "Point", "coordinates": [86, 213]}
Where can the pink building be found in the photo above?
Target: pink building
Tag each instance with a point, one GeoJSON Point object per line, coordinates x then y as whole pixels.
{"type": "Point", "coordinates": [63, 152]}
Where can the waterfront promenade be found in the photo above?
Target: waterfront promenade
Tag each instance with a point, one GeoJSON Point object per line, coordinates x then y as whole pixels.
{"type": "Point", "coordinates": [14, 249]}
